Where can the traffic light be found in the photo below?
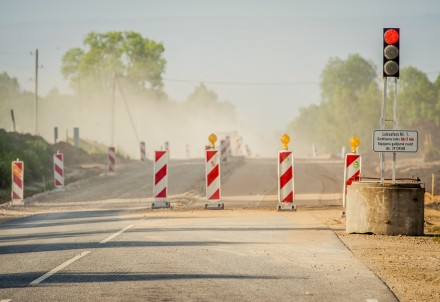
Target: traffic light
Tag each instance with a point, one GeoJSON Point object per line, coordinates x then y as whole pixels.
{"type": "Point", "coordinates": [391, 39]}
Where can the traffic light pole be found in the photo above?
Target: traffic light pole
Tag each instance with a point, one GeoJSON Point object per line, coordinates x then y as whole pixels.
{"type": "Point", "coordinates": [391, 42]}
{"type": "Point", "coordinates": [383, 121]}
{"type": "Point", "coordinates": [395, 127]}
{"type": "Point", "coordinates": [382, 126]}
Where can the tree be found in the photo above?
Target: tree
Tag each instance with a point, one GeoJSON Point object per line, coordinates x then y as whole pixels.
{"type": "Point", "coordinates": [9, 87]}
{"type": "Point", "coordinates": [204, 102]}
{"type": "Point", "coordinates": [417, 97]}
{"type": "Point", "coordinates": [350, 105]}
{"type": "Point", "coordinates": [125, 54]}
{"type": "Point", "coordinates": [352, 75]}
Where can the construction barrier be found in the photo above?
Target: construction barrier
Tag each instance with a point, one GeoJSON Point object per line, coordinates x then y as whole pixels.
{"type": "Point", "coordinates": [238, 146]}
{"type": "Point", "coordinates": [286, 184]}
{"type": "Point", "coordinates": [212, 169]}
{"type": "Point", "coordinates": [143, 152]}
{"type": "Point", "coordinates": [160, 189]}
{"type": "Point", "coordinates": [58, 170]}
{"type": "Point", "coordinates": [224, 151]}
{"type": "Point", "coordinates": [76, 137]}
{"type": "Point", "coordinates": [111, 159]}
{"type": "Point", "coordinates": [213, 193]}
{"type": "Point", "coordinates": [314, 151]}
{"type": "Point", "coordinates": [248, 151]}
{"type": "Point", "coordinates": [228, 146]}
{"type": "Point", "coordinates": [352, 170]}
{"type": "Point", "coordinates": [17, 190]}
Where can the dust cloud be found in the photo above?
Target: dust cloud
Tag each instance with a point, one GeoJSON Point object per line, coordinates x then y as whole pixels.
{"type": "Point", "coordinates": [125, 117]}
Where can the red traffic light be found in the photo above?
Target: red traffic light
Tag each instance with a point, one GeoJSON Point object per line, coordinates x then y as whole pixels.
{"type": "Point", "coordinates": [391, 41]}
{"type": "Point", "coordinates": [391, 36]}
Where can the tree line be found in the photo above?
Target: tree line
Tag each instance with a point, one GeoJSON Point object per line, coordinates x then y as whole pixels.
{"type": "Point", "coordinates": [127, 69]}
{"type": "Point", "coordinates": [351, 97]}
{"type": "Point", "coordinates": [116, 77]}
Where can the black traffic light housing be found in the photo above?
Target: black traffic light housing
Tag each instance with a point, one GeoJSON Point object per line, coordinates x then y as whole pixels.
{"type": "Point", "coordinates": [391, 52]}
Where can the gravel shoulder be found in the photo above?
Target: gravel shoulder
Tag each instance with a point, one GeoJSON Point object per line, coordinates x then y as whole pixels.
{"type": "Point", "coordinates": [409, 265]}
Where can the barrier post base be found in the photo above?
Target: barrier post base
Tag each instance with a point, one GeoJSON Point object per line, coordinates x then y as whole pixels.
{"type": "Point", "coordinates": [161, 204]}
{"type": "Point", "coordinates": [286, 206]}
{"type": "Point", "coordinates": [17, 202]}
{"type": "Point", "coordinates": [214, 206]}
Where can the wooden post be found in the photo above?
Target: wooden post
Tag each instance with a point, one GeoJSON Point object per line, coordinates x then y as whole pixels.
{"type": "Point", "coordinates": [432, 185]}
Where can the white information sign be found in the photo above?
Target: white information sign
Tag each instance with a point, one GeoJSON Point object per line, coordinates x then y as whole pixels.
{"type": "Point", "coordinates": [395, 141]}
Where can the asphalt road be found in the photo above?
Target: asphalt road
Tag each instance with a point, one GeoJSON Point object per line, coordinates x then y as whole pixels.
{"type": "Point", "coordinates": [99, 241]}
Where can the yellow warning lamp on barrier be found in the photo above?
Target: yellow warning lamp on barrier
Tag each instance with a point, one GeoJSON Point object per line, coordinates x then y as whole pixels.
{"type": "Point", "coordinates": [354, 143]}
{"type": "Point", "coordinates": [285, 139]}
{"type": "Point", "coordinates": [212, 139]}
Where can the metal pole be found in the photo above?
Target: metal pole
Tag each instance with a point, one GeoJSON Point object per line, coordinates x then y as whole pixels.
{"type": "Point", "coordinates": [395, 126]}
{"type": "Point", "coordinates": [36, 92]}
{"type": "Point", "coordinates": [382, 126]}
{"type": "Point", "coordinates": [113, 112]}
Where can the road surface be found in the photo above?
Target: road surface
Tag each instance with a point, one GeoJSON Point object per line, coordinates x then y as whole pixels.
{"type": "Point", "coordinates": [99, 241]}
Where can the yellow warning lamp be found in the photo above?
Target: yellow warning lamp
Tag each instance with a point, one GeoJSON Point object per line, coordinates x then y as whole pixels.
{"type": "Point", "coordinates": [212, 139]}
{"type": "Point", "coordinates": [285, 139]}
{"type": "Point", "coordinates": [354, 143]}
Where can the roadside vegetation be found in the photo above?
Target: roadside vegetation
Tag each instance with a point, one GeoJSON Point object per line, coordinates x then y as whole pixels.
{"type": "Point", "coordinates": [34, 151]}
{"type": "Point", "coordinates": [351, 97]}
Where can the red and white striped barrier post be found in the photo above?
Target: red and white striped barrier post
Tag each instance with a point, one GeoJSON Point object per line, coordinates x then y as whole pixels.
{"type": "Point", "coordinates": [352, 171]}
{"type": "Point", "coordinates": [111, 159]}
{"type": "Point", "coordinates": [212, 164]}
{"type": "Point", "coordinates": [248, 150]}
{"type": "Point", "coordinates": [143, 152]}
{"type": "Point", "coordinates": [224, 150]}
{"type": "Point", "coordinates": [160, 189]}
{"type": "Point", "coordinates": [238, 145]}
{"type": "Point", "coordinates": [286, 184]}
{"type": "Point", "coordinates": [228, 146]}
{"type": "Point", "coordinates": [58, 171]}
{"type": "Point", "coordinates": [17, 189]}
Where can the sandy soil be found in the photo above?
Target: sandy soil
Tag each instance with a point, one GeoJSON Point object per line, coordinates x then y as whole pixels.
{"type": "Point", "coordinates": [409, 265]}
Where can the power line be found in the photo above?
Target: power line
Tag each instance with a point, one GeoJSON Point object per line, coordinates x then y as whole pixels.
{"type": "Point", "coordinates": [14, 66]}
{"type": "Point", "coordinates": [240, 83]}
{"type": "Point", "coordinates": [2, 52]}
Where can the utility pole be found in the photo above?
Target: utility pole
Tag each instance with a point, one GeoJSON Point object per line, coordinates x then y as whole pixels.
{"type": "Point", "coordinates": [113, 112]}
{"type": "Point", "coordinates": [36, 92]}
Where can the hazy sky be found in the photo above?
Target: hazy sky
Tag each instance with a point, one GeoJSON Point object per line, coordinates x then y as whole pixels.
{"type": "Point", "coordinates": [281, 47]}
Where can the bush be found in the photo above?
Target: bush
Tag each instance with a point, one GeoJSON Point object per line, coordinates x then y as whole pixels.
{"type": "Point", "coordinates": [34, 151]}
